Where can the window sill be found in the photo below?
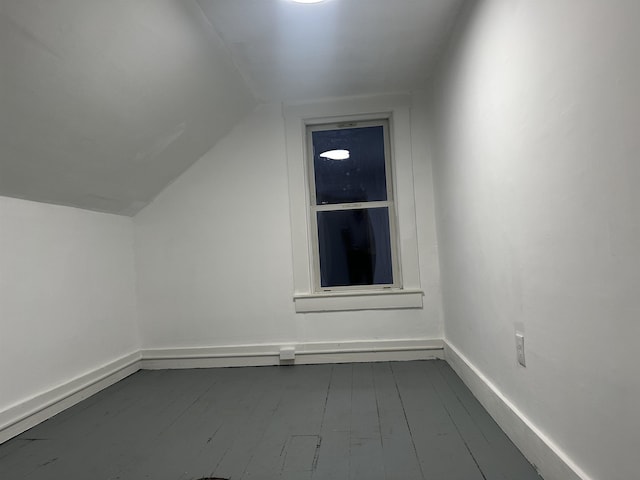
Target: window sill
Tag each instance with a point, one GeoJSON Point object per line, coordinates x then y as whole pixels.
{"type": "Point", "coordinates": [358, 300]}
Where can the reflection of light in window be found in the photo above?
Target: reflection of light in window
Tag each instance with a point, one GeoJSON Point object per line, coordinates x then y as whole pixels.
{"type": "Point", "coordinates": [335, 154]}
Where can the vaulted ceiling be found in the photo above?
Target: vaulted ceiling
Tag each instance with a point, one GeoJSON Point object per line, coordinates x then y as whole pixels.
{"type": "Point", "coordinates": [104, 103]}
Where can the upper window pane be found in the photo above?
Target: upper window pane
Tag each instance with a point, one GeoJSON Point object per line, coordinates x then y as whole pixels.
{"type": "Point", "coordinates": [349, 165]}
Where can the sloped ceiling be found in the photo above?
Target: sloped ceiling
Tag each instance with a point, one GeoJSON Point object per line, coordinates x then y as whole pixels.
{"type": "Point", "coordinates": [104, 102]}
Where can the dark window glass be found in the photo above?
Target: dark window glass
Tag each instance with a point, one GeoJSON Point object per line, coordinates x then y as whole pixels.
{"type": "Point", "coordinates": [359, 178]}
{"type": "Point", "coordinates": [354, 247]}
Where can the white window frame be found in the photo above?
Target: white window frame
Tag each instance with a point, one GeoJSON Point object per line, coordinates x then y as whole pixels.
{"type": "Point", "coordinates": [396, 109]}
{"type": "Point", "coordinates": [388, 203]}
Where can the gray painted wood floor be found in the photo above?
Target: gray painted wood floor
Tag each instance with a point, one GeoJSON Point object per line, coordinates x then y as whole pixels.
{"type": "Point", "coordinates": [368, 421]}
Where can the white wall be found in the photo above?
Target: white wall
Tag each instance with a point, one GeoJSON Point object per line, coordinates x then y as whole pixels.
{"type": "Point", "coordinates": [214, 258]}
{"type": "Point", "coordinates": [67, 295]}
{"type": "Point", "coordinates": [536, 178]}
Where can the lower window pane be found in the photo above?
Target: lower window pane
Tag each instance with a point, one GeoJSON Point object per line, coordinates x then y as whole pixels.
{"type": "Point", "coordinates": [354, 247]}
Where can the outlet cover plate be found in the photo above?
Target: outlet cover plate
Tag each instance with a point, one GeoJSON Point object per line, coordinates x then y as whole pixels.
{"type": "Point", "coordinates": [520, 349]}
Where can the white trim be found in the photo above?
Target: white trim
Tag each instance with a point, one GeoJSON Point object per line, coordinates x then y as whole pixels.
{"type": "Point", "coordinates": [351, 206]}
{"type": "Point", "coordinates": [296, 117]}
{"type": "Point", "coordinates": [550, 460]}
{"type": "Point", "coordinates": [305, 354]}
{"type": "Point", "coordinates": [358, 300]}
{"type": "Point", "coordinates": [27, 414]}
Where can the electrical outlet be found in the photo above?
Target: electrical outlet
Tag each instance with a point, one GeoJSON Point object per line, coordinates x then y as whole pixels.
{"type": "Point", "coordinates": [520, 349]}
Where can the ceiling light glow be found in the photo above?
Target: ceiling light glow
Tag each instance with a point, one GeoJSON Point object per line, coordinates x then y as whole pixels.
{"type": "Point", "coordinates": [308, 1]}
{"type": "Point", "coordinates": [336, 154]}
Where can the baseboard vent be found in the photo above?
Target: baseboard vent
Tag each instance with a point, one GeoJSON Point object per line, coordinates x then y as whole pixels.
{"type": "Point", "coordinates": [287, 354]}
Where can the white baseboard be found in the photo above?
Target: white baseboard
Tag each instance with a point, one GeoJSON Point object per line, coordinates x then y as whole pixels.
{"type": "Point", "coordinates": [27, 414]}
{"type": "Point", "coordinates": [540, 450]}
{"type": "Point", "coordinates": [305, 354]}
{"type": "Point", "coordinates": [551, 461]}
{"type": "Point", "coordinates": [21, 417]}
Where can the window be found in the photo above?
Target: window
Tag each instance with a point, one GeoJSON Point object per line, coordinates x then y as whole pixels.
{"type": "Point", "coordinates": [387, 205]}
{"type": "Point", "coordinates": [351, 206]}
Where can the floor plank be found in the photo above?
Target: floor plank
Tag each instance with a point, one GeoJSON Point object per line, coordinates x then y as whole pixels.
{"type": "Point", "coordinates": [242, 428]}
{"type": "Point", "coordinates": [240, 398]}
{"type": "Point", "coordinates": [481, 429]}
{"type": "Point", "coordinates": [332, 460]}
{"type": "Point", "coordinates": [398, 450]}
{"type": "Point", "coordinates": [442, 451]}
{"type": "Point", "coordinates": [365, 441]}
{"type": "Point", "coordinates": [368, 421]}
{"type": "Point", "coordinates": [294, 426]}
